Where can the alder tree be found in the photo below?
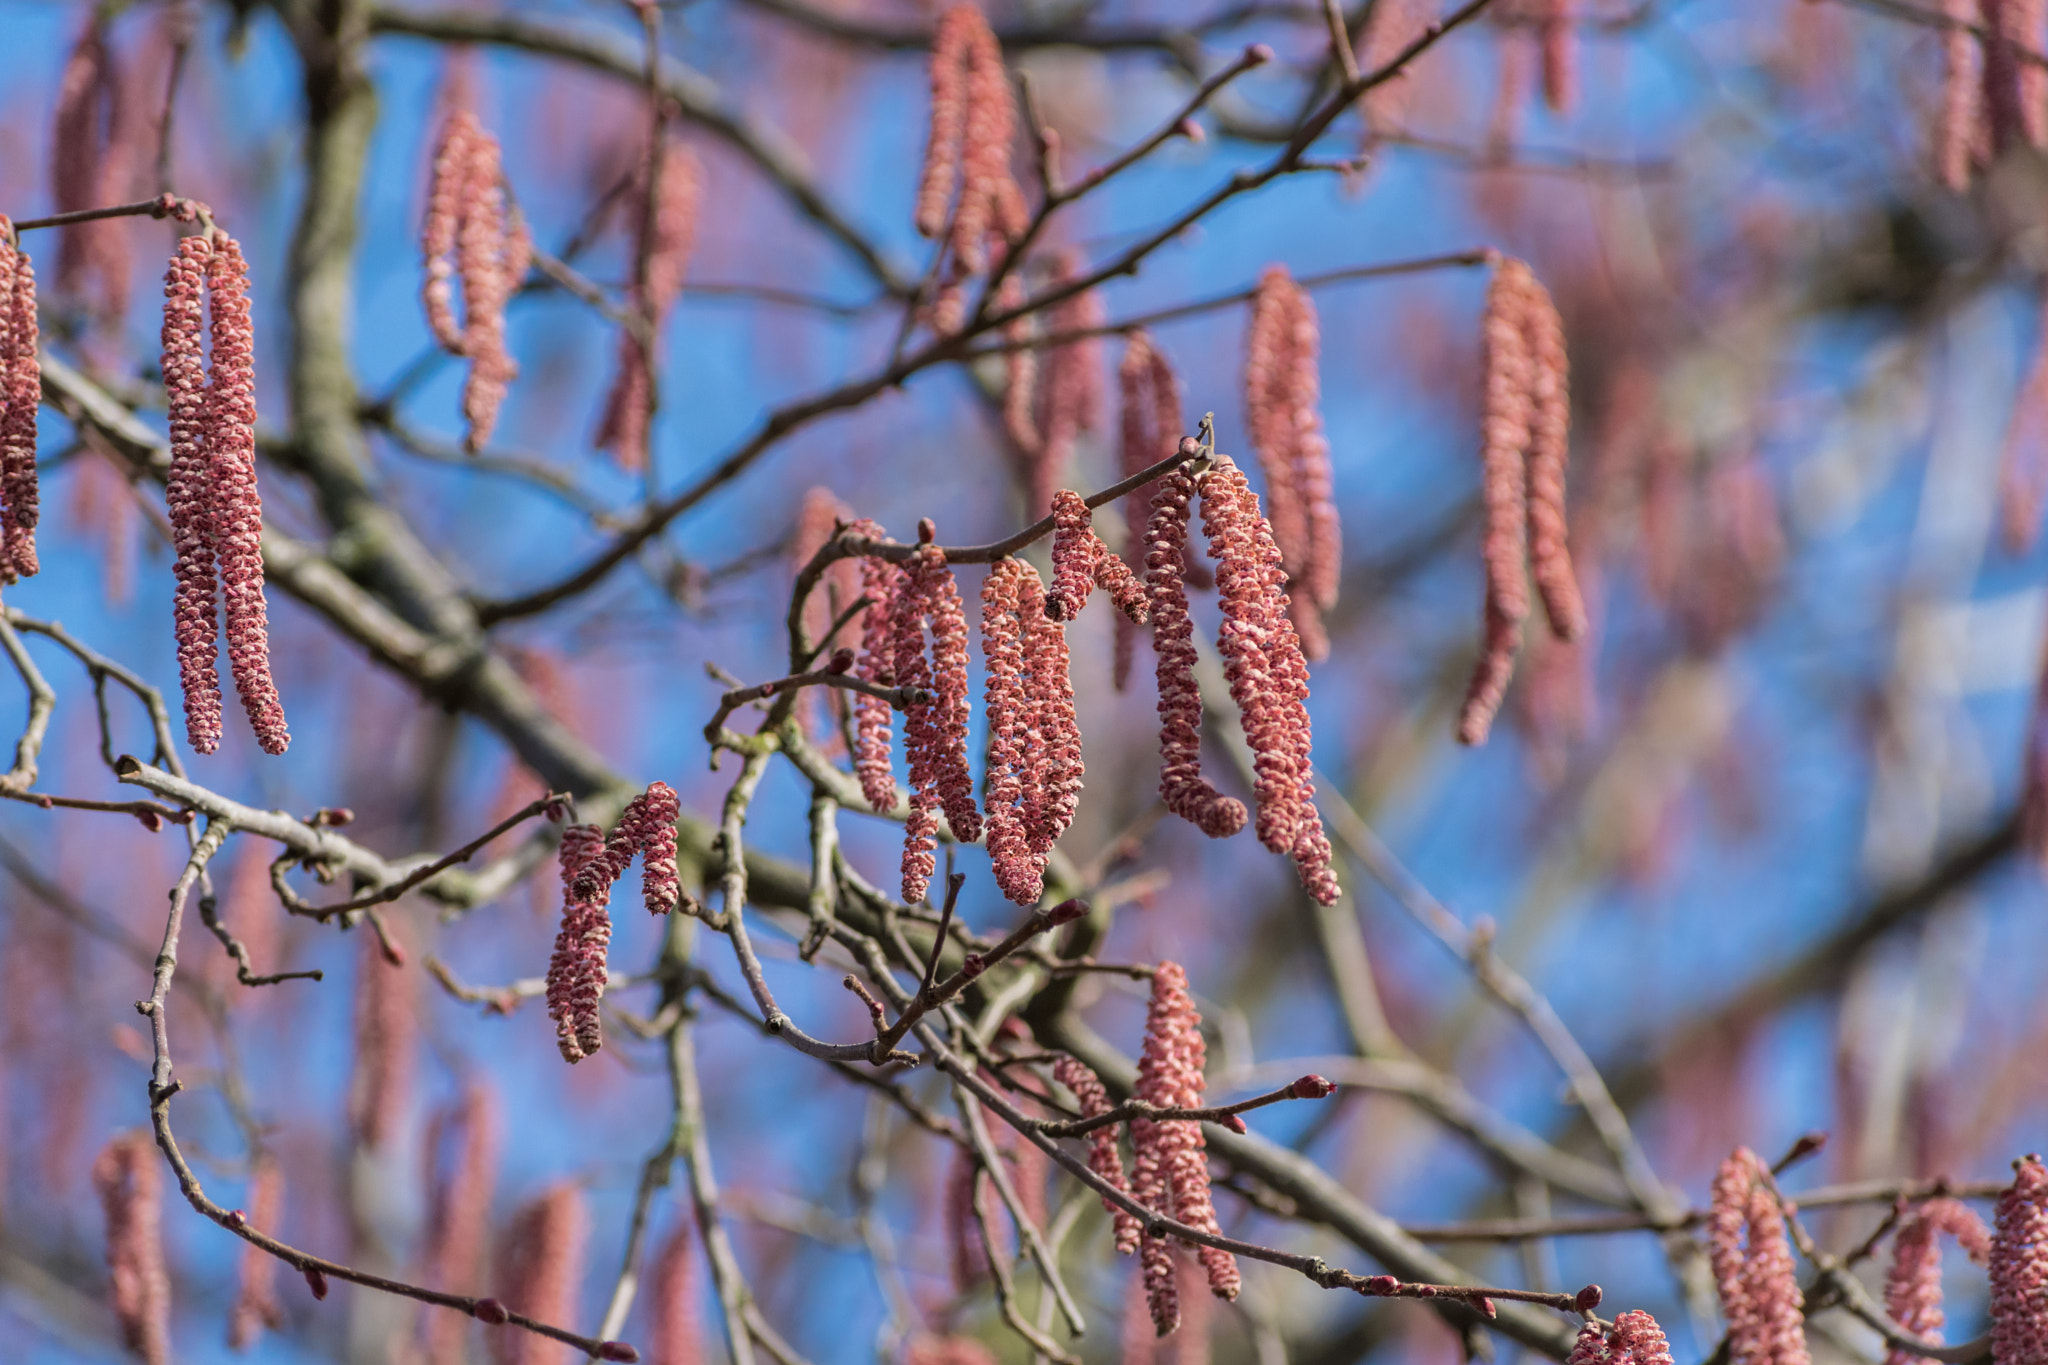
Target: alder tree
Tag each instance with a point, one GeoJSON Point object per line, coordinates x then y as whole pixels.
{"type": "Point", "coordinates": [1286, 681]}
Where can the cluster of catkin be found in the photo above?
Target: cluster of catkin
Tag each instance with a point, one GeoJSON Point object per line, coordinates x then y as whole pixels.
{"type": "Point", "coordinates": [967, 193]}
{"type": "Point", "coordinates": [1994, 86]}
{"type": "Point", "coordinates": [1054, 393]}
{"type": "Point", "coordinates": [1281, 414]}
{"type": "Point", "coordinates": [1262, 661]}
{"type": "Point", "coordinates": [908, 601]}
{"type": "Point", "coordinates": [130, 1186]}
{"type": "Point", "coordinates": [1634, 1339]}
{"type": "Point", "coordinates": [216, 512]}
{"type": "Point", "coordinates": [1170, 1166]}
{"type": "Point", "coordinates": [591, 862]}
{"type": "Point", "coordinates": [1035, 762]}
{"type": "Point", "coordinates": [1034, 747]}
{"type": "Point", "coordinates": [1525, 441]}
{"type": "Point", "coordinates": [20, 392]}
{"type": "Point", "coordinates": [471, 234]}
{"type": "Point", "coordinates": [1752, 1264]}
{"type": "Point", "coordinates": [665, 235]}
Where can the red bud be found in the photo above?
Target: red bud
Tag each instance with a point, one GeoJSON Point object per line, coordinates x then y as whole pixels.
{"type": "Point", "coordinates": [1588, 1299]}
{"type": "Point", "coordinates": [491, 1311]}
{"type": "Point", "coordinates": [617, 1350]}
{"type": "Point", "coordinates": [1311, 1087]}
{"type": "Point", "coordinates": [316, 1280]}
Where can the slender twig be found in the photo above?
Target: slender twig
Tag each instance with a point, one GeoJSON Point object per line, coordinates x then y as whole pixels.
{"type": "Point", "coordinates": [897, 697]}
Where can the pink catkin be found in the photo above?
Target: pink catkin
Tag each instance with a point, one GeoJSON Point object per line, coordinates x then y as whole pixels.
{"type": "Point", "coordinates": [230, 434]}
{"type": "Point", "coordinates": [130, 1186]}
{"type": "Point", "coordinates": [1149, 394]}
{"type": "Point", "coordinates": [1550, 556]}
{"type": "Point", "coordinates": [386, 1038]}
{"type": "Point", "coordinates": [1961, 120]}
{"type": "Point", "coordinates": [540, 1273]}
{"type": "Point", "coordinates": [1282, 398]}
{"type": "Point", "coordinates": [881, 582]}
{"type": "Point", "coordinates": [646, 828]}
{"type": "Point", "coordinates": [1181, 785]}
{"type": "Point", "coordinates": [1505, 429]}
{"type": "Point", "coordinates": [20, 393]}
{"type": "Point", "coordinates": [1103, 1157]}
{"type": "Point", "coordinates": [94, 136]}
{"type": "Point", "coordinates": [1268, 676]}
{"type": "Point", "coordinates": [459, 1222]}
{"type": "Point", "coordinates": [577, 971]}
{"type": "Point", "coordinates": [1554, 22]}
{"type": "Point", "coordinates": [1007, 707]}
{"type": "Point", "coordinates": [950, 43]}
{"type": "Point", "coordinates": [188, 492]}
{"type": "Point", "coordinates": [453, 149]}
{"type": "Point", "coordinates": [2019, 1268]}
{"type": "Point", "coordinates": [1172, 1172]}
{"type": "Point", "coordinates": [666, 238]}
{"type": "Point", "coordinates": [1590, 1348]}
{"type": "Point", "coordinates": [2023, 467]}
{"type": "Point", "coordinates": [256, 1305]}
{"type": "Point", "coordinates": [1753, 1270]}
{"type": "Point", "coordinates": [1054, 770]}
{"type": "Point", "coordinates": [675, 1335]}
{"type": "Point", "coordinates": [469, 236]}
{"type": "Point", "coordinates": [935, 733]}
{"type": "Point", "coordinates": [1912, 1286]}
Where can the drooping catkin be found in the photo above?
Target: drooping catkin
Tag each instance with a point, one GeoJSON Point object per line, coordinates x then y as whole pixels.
{"type": "Point", "coordinates": [676, 1334]}
{"type": "Point", "coordinates": [1007, 707]}
{"type": "Point", "coordinates": [216, 511]}
{"type": "Point", "coordinates": [2019, 1268]}
{"type": "Point", "coordinates": [1181, 785]}
{"type": "Point", "coordinates": [187, 491]}
{"type": "Point", "coordinates": [1149, 394]}
{"type": "Point", "coordinates": [130, 1186]}
{"type": "Point", "coordinates": [935, 732]}
{"type": "Point", "coordinates": [540, 1273]}
{"type": "Point", "coordinates": [1912, 1285]}
{"type": "Point", "coordinates": [1268, 676]}
{"type": "Point", "coordinates": [1960, 123]}
{"type": "Point", "coordinates": [577, 970]}
{"type": "Point", "coordinates": [1171, 1173]}
{"type": "Point", "coordinates": [458, 1224]}
{"type": "Point", "coordinates": [386, 1046]}
{"type": "Point", "coordinates": [1550, 417]}
{"type": "Point", "coordinates": [665, 239]}
{"type": "Point", "coordinates": [1525, 432]}
{"type": "Point", "coordinates": [1752, 1264]}
{"type": "Point", "coordinates": [256, 1305]}
{"type": "Point", "coordinates": [1055, 392]}
{"type": "Point", "coordinates": [470, 236]}
{"type": "Point", "coordinates": [1052, 791]}
{"type": "Point", "coordinates": [1282, 400]}
{"type": "Point", "coordinates": [230, 435]}
{"type": "Point", "coordinates": [20, 393]}
{"type": "Point", "coordinates": [1103, 1157]}
{"type": "Point", "coordinates": [966, 192]}
{"type": "Point", "coordinates": [881, 583]}
{"type": "Point", "coordinates": [95, 134]}
{"type": "Point", "coordinates": [1554, 22]}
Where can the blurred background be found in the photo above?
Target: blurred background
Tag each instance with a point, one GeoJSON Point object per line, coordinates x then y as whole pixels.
{"type": "Point", "coordinates": [1755, 839]}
